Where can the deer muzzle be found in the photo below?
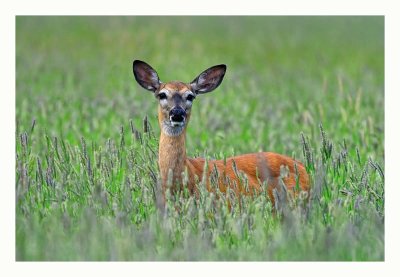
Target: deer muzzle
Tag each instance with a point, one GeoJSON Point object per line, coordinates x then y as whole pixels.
{"type": "Point", "coordinates": [177, 116]}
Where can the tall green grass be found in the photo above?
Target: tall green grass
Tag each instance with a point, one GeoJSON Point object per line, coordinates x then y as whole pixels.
{"type": "Point", "coordinates": [87, 182]}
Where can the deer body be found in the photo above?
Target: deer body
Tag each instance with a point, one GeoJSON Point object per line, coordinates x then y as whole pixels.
{"type": "Point", "coordinates": [173, 115]}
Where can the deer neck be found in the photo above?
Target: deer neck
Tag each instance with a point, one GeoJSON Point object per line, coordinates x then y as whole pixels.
{"type": "Point", "coordinates": [172, 157]}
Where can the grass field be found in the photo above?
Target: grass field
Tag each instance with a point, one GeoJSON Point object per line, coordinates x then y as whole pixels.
{"type": "Point", "coordinates": [86, 173]}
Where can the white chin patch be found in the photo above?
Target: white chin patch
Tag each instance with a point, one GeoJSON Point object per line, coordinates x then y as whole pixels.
{"type": "Point", "coordinates": [173, 128]}
{"type": "Point", "coordinates": [177, 124]}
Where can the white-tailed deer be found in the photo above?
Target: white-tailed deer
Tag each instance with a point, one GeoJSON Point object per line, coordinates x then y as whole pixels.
{"type": "Point", "coordinates": [175, 103]}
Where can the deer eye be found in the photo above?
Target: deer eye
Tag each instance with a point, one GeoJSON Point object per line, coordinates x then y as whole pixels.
{"type": "Point", "coordinates": [162, 96]}
{"type": "Point", "coordinates": [190, 97]}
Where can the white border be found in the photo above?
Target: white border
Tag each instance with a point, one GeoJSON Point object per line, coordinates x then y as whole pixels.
{"type": "Point", "coordinates": [205, 7]}
{"type": "Point", "coordinates": [249, 7]}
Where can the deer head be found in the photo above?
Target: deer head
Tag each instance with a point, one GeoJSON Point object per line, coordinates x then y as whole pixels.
{"type": "Point", "coordinates": [175, 97]}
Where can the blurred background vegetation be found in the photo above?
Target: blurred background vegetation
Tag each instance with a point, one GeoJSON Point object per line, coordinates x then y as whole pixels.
{"type": "Point", "coordinates": [75, 93]}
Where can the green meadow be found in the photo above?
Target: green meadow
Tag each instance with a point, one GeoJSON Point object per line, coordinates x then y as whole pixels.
{"type": "Point", "coordinates": [87, 180]}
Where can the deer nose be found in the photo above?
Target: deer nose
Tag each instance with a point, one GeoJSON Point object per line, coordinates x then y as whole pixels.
{"type": "Point", "coordinates": [177, 114]}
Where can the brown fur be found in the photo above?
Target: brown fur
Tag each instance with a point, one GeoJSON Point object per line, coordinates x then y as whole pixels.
{"type": "Point", "coordinates": [257, 167]}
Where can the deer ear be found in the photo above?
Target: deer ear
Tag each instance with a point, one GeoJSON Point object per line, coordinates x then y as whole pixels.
{"type": "Point", "coordinates": [209, 79]}
{"type": "Point", "coordinates": [146, 76]}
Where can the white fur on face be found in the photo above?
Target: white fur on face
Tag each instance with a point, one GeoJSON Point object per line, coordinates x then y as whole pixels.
{"type": "Point", "coordinates": [188, 103]}
{"type": "Point", "coordinates": [172, 130]}
{"type": "Point", "coordinates": [163, 102]}
{"type": "Point", "coordinates": [169, 127]}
